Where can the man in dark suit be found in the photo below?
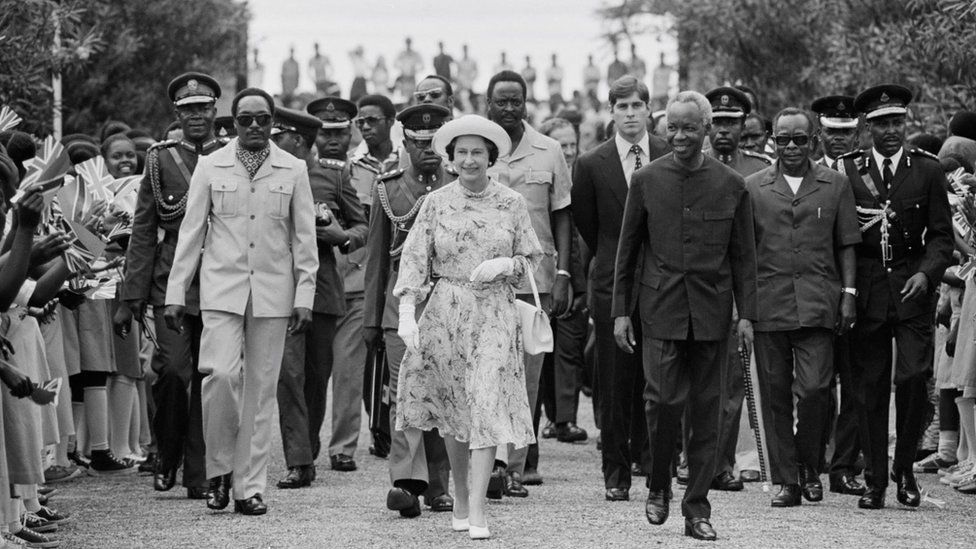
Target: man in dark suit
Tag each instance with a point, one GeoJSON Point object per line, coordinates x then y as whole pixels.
{"type": "Point", "coordinates": [600, 182]}
{"type": "Point", "coordinates": [691, 219]}
{"type": "Point", "coordinates": [907, 245]}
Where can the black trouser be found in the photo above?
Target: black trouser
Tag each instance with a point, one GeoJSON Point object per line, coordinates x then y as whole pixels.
{"type": "Point", "coordinates": [562, 369]}
{"type": "Point", "coordinates": [306, 366]}
{"type": "Point", "coordinates": [948, 411]}
{"type": "Point", "coordinates": [178, 422]}
{"type": "Point", "coordinates": [684, 373]}
{"type": "Point", "coordinates": [850, 426]}
{"type": "Point", "coordinates": [734, 399]}
{"type": "Point", "coordinates": [620, 379]}
{"type": "Point", "coordinates": [794, 362]}
{"type": "Point", "coordinates": [872, 370]}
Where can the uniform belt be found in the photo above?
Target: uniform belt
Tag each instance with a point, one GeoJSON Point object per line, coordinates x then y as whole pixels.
{"type": "Point", "coordinates": [898, 252]}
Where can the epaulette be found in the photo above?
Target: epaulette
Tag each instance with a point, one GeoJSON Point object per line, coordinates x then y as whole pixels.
{"type": "Point", "coordinates": [852, 154]}
{"type": "Point", "coordinates": [332, 163]}
{"type": "Point", "coordinates": [921, 152]}
{"type": "Point", "coordinates": [392, 174]}
{"type": "Point", "coordinates": [161, 144]}
{"type": "Point", "coordinates": [760, 156]}
{"type": "Point", "coordinates": [858, 156]}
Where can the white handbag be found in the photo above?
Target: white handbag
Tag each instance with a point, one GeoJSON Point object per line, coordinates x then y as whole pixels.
{"type": "Point", "coordinates": [535, 325]}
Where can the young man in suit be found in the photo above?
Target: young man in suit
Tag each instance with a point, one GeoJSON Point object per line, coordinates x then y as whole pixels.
{"type": "Point", "coordinates": [600, 183]}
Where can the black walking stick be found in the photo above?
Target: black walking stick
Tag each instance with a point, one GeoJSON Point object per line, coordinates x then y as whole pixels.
{"type": "Point", "coordinates": [750, 378]}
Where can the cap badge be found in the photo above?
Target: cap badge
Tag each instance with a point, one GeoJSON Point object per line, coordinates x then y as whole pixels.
{"type": "Point", "coordinates": [426, 118]}
{"type": "Point", "coordinates": [884, 97]}
{"type": "Point", "coordinates": [192, 85]}
{"type": "Point", "coordinates": [222, 132]}
{"type": "Point", "coordinates": [330, 106]}
{"type": "Point", "coordinates": [841, 106]}
{"type": "Point", "coordinates": [724, 99]}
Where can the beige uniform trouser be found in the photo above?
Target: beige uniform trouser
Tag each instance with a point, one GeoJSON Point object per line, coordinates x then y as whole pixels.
{"type": "Point", "coordinates": [242, 355]}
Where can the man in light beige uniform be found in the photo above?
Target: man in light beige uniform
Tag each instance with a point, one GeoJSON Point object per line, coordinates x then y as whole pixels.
{"type": "Point", "coordinates": [250, 209]}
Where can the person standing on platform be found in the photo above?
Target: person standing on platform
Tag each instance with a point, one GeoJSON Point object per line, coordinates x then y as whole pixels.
{"type": "Point", "coordinates": [160, 207]}
{"type": "Point", "coordinates": [600, 182]}
{"type": "Point", "coordinates": [690, 218]}
{"type": "Point", "coordinates": [443, 63]}
{"type": "Point", "coordinates": [307, 364]}
{"type": "Point", "coordinates": [907, 244]}
{"type": "Point", "coordinates": [806, 229]}
{"type": "Point", "coordinates": [250, 209]}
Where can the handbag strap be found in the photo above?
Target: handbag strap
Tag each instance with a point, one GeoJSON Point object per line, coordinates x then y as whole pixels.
{"type": "Point", "coordinates": [535, 289]}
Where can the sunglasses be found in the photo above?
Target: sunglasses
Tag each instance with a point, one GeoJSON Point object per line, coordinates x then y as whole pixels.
{"type": "Point", "coordinates": [784, 140]}
{"type": "Point", "coordinates": [371, 120]}
{"type": "Point", "coordinates": [246, 120]}
{"type": "Point", "coordinates": [434, 94]}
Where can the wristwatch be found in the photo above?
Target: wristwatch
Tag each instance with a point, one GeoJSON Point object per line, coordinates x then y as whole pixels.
{"type": "Point", "coordinates": [852, 291]}
{"type": "Point", "coordinates": [563, 272]}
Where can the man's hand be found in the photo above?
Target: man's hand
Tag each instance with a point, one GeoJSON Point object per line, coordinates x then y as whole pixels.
{"type": "Point", "coordinates": [950, 345]}
{"type": "Point", "coordinates": [48, 248]}
{"type": "Point", "coordinates": [301, 318]}
{"type": "Point", "coordinates": [29, 209]}
{"type": "Point", "coordinates": [332, 234]}
{"type": "Point", "coordinates": [6, 348]}
{"type": "Point", "coordinates": [848, 313]}
{"type": "Point", "coordinates": [562, 297]}
{"type": "Point", "coordinates": [373, 336]}
{"type": "Point", "coordinates": [9, 176]}
{"type": "Point", "coordinates": [138, 308]}
{"type": "Point", "coordinates": [916, 286]}
{"type": "Point", "coordinates": [20, 385]}
{"type": "Point", "coordinates": [122, 320]}
{"type": "Point", "coordinates": [578, 305]}
{"type": "Point", "coordinates": [94, 222]}
{"type": "Point", "coordinates": [173, 316]}
{"type": "Point", "coordinates": [623, 332]}
{"type": "Point", "coordinates": [746, 338]}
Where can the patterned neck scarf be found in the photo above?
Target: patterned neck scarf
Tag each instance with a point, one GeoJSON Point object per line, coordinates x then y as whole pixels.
{"type": "Point", "coordinates": [252, 160]}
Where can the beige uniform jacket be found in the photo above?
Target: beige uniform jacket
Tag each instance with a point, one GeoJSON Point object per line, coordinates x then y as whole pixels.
{"type": "Point", "coordinates": [257, 236]}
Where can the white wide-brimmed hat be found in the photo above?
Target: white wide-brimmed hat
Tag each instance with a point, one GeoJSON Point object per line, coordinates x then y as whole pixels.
{"type": "Point", "coordinates": [471, 124]}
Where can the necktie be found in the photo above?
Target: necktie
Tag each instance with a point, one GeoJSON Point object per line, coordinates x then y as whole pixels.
{"type": "Point", "coordinates": [833, 165]}
{"type": "Point", "coordinates": [637, 152]}
{"type": "Point", "coordinates": [886, 174]}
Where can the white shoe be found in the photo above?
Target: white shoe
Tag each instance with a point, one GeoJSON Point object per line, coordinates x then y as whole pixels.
{"type": "Point", "coordinates": [962, 465]}
{"type": "Point", "coordinates": [459, 525]}
{"type": "Point", "coordinates": [960, 475]}
{"type": "Point", "coordinates": [478, 532]}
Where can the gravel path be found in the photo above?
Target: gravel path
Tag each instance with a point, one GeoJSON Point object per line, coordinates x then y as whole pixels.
{"type": "Point", "coordinates": [348, 510]}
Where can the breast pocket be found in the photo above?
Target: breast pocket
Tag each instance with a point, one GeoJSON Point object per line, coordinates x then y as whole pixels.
{"type": "Point", "coordinates": [717, 226]}
{"type": "Point", "coordinates": [223, 196]}
{"type": "Point", "coordinates": [538, 185]}
{"type": "Point", "coordinates": [279, 199]}
{"type": "Point", "coordinates": [914, 210]}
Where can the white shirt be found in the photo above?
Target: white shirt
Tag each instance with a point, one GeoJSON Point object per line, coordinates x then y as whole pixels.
{"type": "Point", "coordinates": [627, 157]}
{"type": "Point", "coordinates": [879, 158]}
{"type": "Point", "coordinates": [793, 182]}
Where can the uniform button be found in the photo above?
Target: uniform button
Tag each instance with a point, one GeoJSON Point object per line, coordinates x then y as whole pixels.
{"type": "Point", "coordinates": [252, 217]}
{"type": "Point", "coordinates": [796, 250]}
{"type": "Point", "coordinates": [252, 189]}
{"type": "Point", "coordinates": [252, 272]}
{"type": "Point", "coordinates": [796, 202]}
{"type": "Point", "coordinates": [252, 244]}
{"type": "Point", "coordinates": [797, 275]}
{"type": "Point", "coordinates": [796, 225]}
{"type": "Point", "coordinates": [889, 269]}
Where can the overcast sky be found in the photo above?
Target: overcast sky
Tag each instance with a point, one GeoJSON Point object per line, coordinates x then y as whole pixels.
{"type": "Point", "coordinates": [536, 27]}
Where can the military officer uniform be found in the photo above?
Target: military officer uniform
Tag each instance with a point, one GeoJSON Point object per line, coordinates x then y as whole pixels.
{"type": "Point", "coordinates": [418, 459]}
{"type": "Point", "coordinates": [837, 111]}
{"type": "Point", "coordinates": [307, 362]}
{"type": "Point", "coordinates": [737, 446]}
{"type": "Point", "coordinates": [906, 226]}
{"type": "Point", "coordinates": [160, 206]}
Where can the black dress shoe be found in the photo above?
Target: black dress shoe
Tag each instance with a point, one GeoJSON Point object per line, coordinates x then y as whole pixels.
{"type": "Point", "coordinates": [908, 492]}
{"type": "Point", "coordinates": [342, 462]}
{"type": "Point", "coordinates": [149, 465]}
{"type": "Point", "coordinates": [219, 494]}
{"type": "Point", "coordinates": [404, 501]}
{"type": "Point", "coordinates": [549, 431]}
{"type": "Point", "coordinates": [379, 449]}
{"type": "Point", "coordinates": [788, 496]}
{"type": "Point", "coordinates": [441, 503]}
{"type": "Point", "coordinates": [197, 492]}
{"type": "Point", "coordinates": [164, 480]}
{"type": "Point", "coordinates": [618, 494]}
{"type": "Point", "coordinates": [298, 477]}
{"type": "Point", "coordinates": [846, 484]}
{"type": "Point", "coordinates": [570, 432]}
{"type": "Point", "coordinates": [726, 482]}
{"type": "Point", "coordinates": [636, 470]}
{"type": "Point", "coordinates": [250, 506]}
{"type": "Point", "coordinates": [513, 486]}
{"type": "Point", "coordinates": [658, 506]}
{"type": "Point", "coordinates": [750, 475]}
{"type": "Point", "coordinates": [873, 498]}
{"type": "Point", "coordinates": [496, 483]}
{"type": "Point", "coordinates": [700, 528]}
{"type": "Point", "coordinates": [812, 487]}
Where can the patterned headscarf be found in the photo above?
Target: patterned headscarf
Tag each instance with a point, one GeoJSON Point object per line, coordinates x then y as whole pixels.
{"type": "Point", "coordinates": [252, 160]}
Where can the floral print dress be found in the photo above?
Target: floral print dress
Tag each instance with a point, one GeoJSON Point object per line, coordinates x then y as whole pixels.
{"type": "Point", "coordinates": [467, 378]}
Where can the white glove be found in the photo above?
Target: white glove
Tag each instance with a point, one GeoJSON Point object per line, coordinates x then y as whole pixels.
{"type": "Point", "coordinates": [407, 329]}
{"type": "Point", "coordinates": [490, 269]}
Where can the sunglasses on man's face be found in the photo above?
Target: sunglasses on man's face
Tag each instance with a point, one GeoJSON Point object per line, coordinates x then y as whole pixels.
{"type": "Point", "coordinates": [246, 120]}
{"type": "Point", "coordinates": [784, 140]}
{"type": "Point", "coordinates": [433, 94]}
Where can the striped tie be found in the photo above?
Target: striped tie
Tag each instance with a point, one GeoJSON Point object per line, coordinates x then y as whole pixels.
{"type": "Point", "coordinates": [637, 159]}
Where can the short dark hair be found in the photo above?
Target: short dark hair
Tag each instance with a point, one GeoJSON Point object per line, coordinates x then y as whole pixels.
{"type": "Point", "coordinates": [448, 88]}
{"type": "Point", "coordinates": [508, 76]}
{"type": "Point", "coordinates": [381, 101]}
{"type": "Point", "coordinates": [552, 124]}
{"type": "Point", "coordinates": [926, 141]}
{"type": "Point", "coordinates": [795, 111]}
{"type": "Point", "coordinates": [492, 150]}
{"type": "Point", "coordinates": [626, 85]}
{"type": "Point", "coordinates": [246, 92]}
{"type": "Point", "coordinates": [112, 127]}
{"type": "Point", "coordinates": [114, 138]}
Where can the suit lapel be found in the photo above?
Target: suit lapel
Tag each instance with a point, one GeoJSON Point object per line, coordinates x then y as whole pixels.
{"type": "Point", "coordinates": [616, 179]}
